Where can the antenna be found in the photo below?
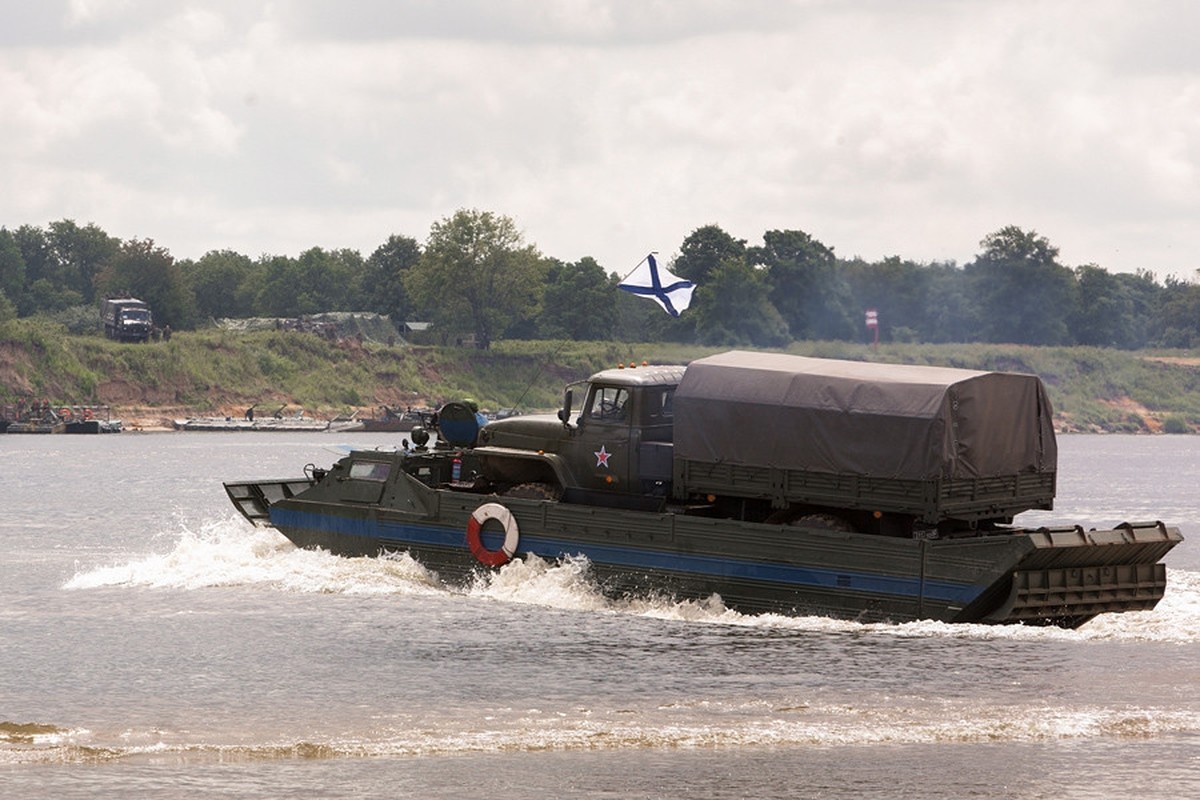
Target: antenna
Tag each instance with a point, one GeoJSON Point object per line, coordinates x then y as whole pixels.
{"type": "Point", "coordinates": [538, 372]}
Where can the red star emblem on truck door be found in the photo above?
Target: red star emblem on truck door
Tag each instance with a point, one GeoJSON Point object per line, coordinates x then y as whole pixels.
{"type": "Point", "coordinates": [602, 457]}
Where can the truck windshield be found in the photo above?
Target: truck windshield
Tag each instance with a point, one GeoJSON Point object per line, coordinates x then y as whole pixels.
{"type": "Point", "coordinates": [136, 315]}
{"type": "Point", "coordinates": [608, 403]}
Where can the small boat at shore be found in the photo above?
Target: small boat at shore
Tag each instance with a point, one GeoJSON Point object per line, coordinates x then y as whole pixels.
{"type": "Point", "coordinates": [91, 419]}
{"type": "Point", "coordinates": [250, 421]}
{"type": "Point", "coordinates": [37, 426]}
{"type": "Point", "coordinates": [235, 424]}
{"type": "Point", "coordinates": [45, 418]}
{"type": "Point", "coordinates": [392, 420]}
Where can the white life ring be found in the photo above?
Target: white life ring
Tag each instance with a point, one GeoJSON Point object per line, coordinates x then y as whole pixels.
{"type": "Point", "coordinates": [492, 558]}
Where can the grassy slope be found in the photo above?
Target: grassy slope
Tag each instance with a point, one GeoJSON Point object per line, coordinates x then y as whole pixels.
{"type": "Point", "coordinates": [223, 372]}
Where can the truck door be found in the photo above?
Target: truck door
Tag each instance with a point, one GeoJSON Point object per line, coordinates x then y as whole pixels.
{"type": "Point", "coordinates": [605, 424]}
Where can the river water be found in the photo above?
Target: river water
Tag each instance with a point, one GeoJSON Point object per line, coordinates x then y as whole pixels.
{"type": "Point", "coordinates": [155, 645]}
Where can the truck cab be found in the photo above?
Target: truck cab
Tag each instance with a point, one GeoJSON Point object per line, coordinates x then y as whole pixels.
{"type": "Point", "coordinates": [612, 450]}
{"type": "Point", "coordinates": [126, 319]}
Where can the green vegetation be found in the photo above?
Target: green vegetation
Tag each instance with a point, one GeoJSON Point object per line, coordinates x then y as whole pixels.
{"type": "Point", "coordinates": [479, 282]}
{"type": "Point", "coordinates": [212, 371]}
{"type": "Point", "coordinates": [1097, 339]}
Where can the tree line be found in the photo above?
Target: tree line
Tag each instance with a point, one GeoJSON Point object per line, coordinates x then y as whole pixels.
{"type": "Point", "coordinates": [476, 275]}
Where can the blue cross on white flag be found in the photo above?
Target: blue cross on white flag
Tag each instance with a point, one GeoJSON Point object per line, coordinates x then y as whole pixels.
{"type": "Point", "coordinates": [671, 292]}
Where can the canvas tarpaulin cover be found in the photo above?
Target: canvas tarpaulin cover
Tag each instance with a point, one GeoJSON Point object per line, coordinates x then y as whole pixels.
{"type": "Point", "coordinates": [882, 420]}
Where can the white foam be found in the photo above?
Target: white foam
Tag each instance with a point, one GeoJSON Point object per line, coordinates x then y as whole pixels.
{"type": "Point", "coordinates": [1176, 618]}
{"type": "Point", "coordinates": [228, 552]}
{"type": "Point", "coordinates": [529, 730]}
{"type": "Point", "coordinates": [535, 581]}
{"type": "Point", "coordinates": [565, 585]}
{"type": "Point", "coordinates": [715, 725]}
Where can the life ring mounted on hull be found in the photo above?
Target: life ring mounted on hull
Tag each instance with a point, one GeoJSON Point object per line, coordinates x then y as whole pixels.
{"type": "Point", "coordinates": [492, 558]}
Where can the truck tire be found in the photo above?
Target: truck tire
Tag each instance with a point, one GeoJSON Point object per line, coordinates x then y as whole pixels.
{"type": "Point", "coordinates": [534, 491]}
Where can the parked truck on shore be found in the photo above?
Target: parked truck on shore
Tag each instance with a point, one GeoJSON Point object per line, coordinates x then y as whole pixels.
{"type": "Point", "coordinates": [126, 319]}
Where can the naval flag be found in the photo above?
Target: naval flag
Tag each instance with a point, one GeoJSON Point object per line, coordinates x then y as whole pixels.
{"type": "Point", "coordinates": [671, 292]}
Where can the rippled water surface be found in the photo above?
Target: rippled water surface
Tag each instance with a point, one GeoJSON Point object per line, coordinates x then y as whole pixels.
{"type": "Point", "coordinates": [154, 644]}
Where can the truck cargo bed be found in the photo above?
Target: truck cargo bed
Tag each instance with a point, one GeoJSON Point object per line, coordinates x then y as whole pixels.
{"type": "Point", "coordinates": [929, 500]}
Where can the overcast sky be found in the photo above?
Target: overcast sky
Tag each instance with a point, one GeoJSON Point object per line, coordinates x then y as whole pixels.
{"type": "Point", "coordinates": [610, 128]}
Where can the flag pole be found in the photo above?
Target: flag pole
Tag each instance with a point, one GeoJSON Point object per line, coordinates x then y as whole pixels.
{"type": "Point", "coordinates": [635, 266]}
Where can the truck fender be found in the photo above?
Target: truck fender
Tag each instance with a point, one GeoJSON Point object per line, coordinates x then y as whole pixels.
{"type": "Point", "coordinates": [505, 464]}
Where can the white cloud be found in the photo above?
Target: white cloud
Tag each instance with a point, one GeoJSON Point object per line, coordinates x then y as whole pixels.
{"type": "Point", "coordinates": [611, 127]}
{"type": "Point", "coordinates": [81, 12]}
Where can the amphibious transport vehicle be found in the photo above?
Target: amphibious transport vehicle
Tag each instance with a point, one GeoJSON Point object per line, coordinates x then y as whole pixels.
{"type": "Point", "coordinates": [780, 483]}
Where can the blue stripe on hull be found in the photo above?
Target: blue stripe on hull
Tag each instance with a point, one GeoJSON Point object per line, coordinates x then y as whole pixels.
{"type": "Point", "coordinates": [401, 534]}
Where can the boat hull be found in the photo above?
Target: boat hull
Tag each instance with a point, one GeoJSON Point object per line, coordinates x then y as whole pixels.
{"type": "Point", "coordinates": [395, 425]}
{"type": "Point", "coordinates": [268, 424]}
{"type": "Point", "coordinates": [1063, 576]}
{"type": "Point", "coordinates": [57, 426]}
{"type": "Point", "coordinates": [94, 426]}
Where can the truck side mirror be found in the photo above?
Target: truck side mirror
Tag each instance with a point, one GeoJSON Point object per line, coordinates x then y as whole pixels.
{"type": "Point", "coordinates": [564, 413]}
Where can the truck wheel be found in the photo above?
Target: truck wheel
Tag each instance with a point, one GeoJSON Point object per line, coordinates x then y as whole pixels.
{"type": "Point", "coordinates": [824, 522]}
{"type": "Point", "coordinates": [534, 491]}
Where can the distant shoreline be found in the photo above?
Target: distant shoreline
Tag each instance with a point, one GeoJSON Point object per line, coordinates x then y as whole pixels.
{"type": "Point", "coordinates": [217, 373]}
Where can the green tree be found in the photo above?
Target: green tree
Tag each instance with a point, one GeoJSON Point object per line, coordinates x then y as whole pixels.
{"type": "Point", "coordinates": [733, 307]}
{"type": "Point", "coordinates": [895, 288]}
{"type": "Point", "coordinates": [280, 293]}
{"type": "Point", "coordinates": [806, 285]}
{"type": "Point", "coordinates": [319, 280]}
{"type": "Point", "coordinates": [1025, 295]}
{"type": "Point", "coordinates": [80, 254]}
{"type": "Point", "coordinates": [1180, 314]}
{"type": "Point", "coordinates": [12, 267]}
{"type": "Point", "coordinates": [704, 250]}
{"type": "Point", "coordinates": [1104, 313]}
{"type": "Point", "coordinates": [1145, 296]}
{"type": "Point", "coordinates": [383, 279]}
{"type": "Point", "coordinates": [476, 273]}
{"type": "Point", "coordinates": [334, 278]}
{"type": "Point", "coordinates": [221, 282]}
{"type": "Point", "coordinates": [952, 313]}
{"type": "Point", "coordinates": [700, 256]}
{"type": "Point", "coordinates": [915, 302]}
{"type": "Point", "coordinates": [61, 264]}
{"type": "Point", "coordinates": [639, 320]}
{"type": "Point", "coordinates": [46, 296]}
{"type": "Point", "coordinates": [41, 279]}
{"type": "Point", "coordinates": [580, 301]}
{"type": "Point", "coordinates": [143, 270]}
{"type": "Point", "coordinates": [8, 311]}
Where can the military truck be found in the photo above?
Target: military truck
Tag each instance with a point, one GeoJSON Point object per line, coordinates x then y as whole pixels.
{"type": "Point", "coordinates": [763, 437]}
{"type": "Point", "coordinates": [781, 484]}
{"type": "Point", "coordinates": [126, 319]}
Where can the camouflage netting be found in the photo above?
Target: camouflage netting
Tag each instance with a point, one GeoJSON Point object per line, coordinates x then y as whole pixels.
{"type": "Point", "coordinates": [335, 324]}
